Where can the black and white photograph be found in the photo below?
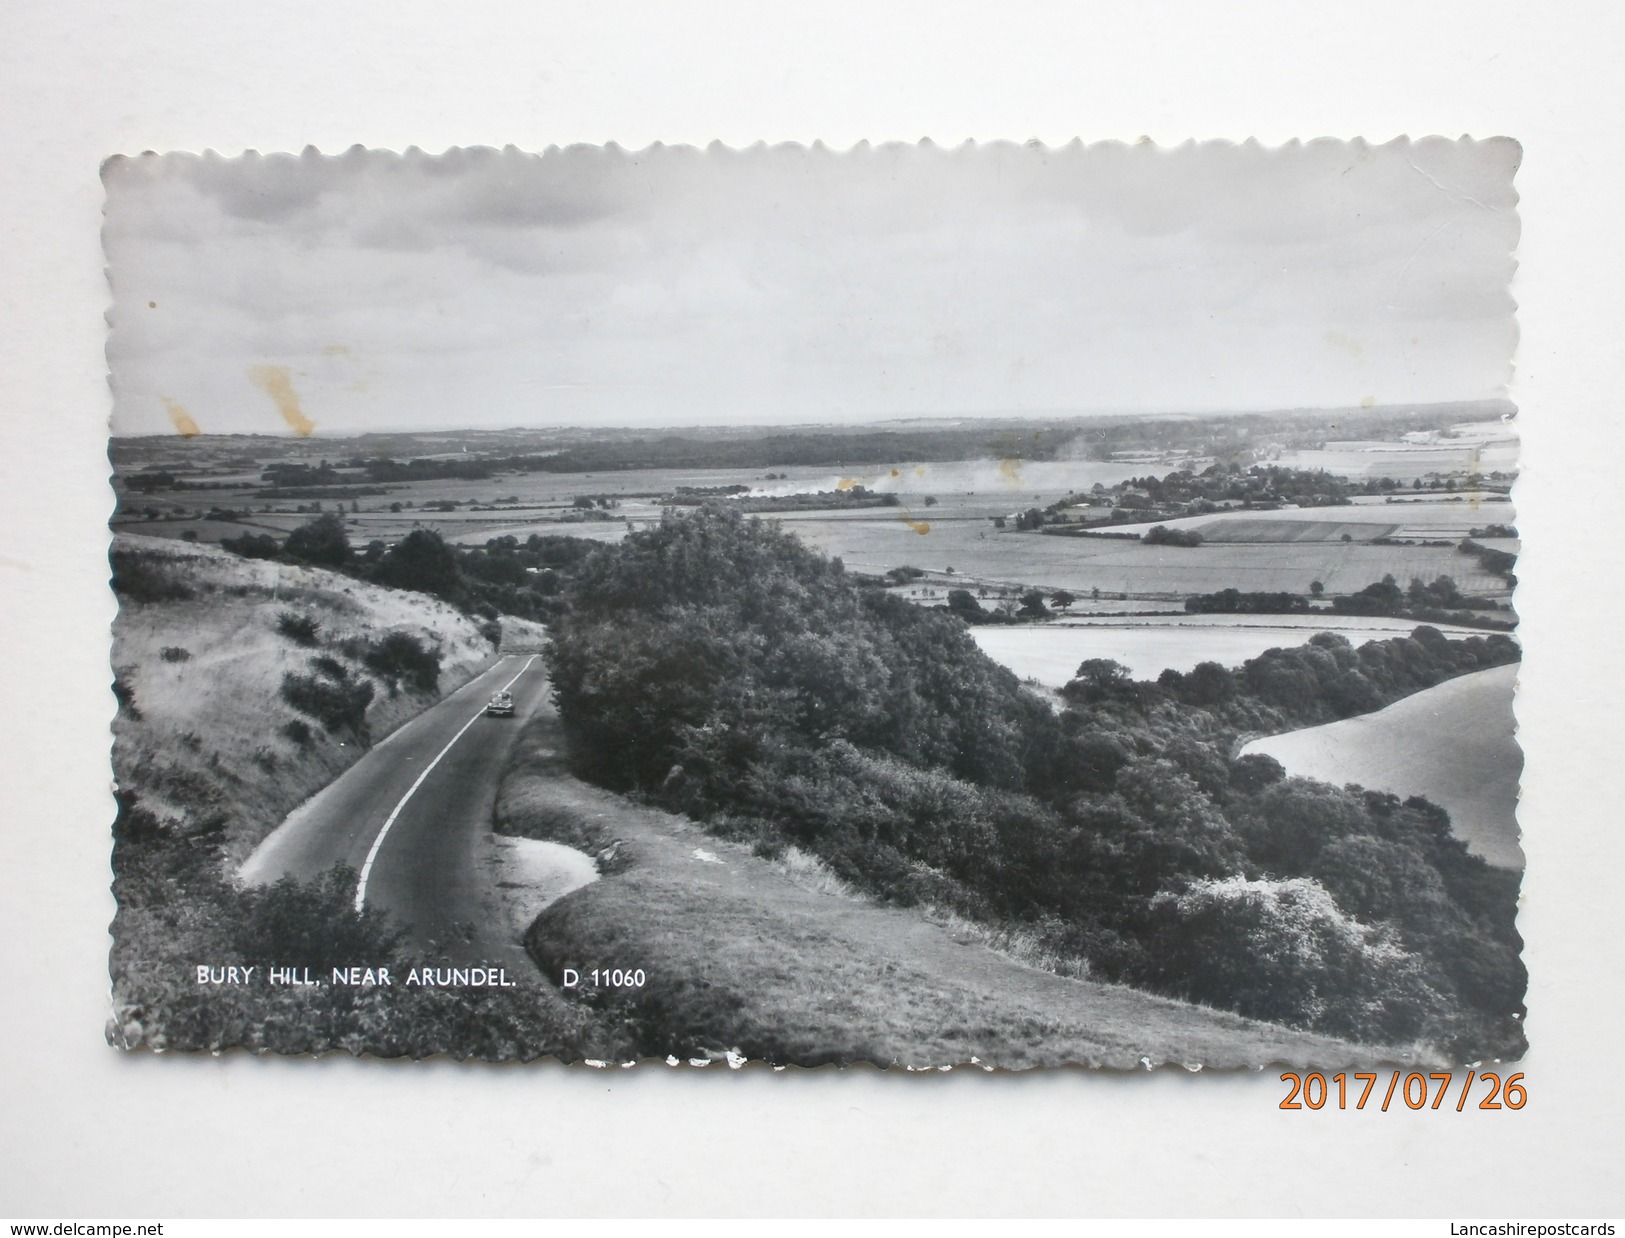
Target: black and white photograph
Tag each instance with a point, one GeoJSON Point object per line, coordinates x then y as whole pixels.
{"type": "Point", "coordinates": [997, 604]}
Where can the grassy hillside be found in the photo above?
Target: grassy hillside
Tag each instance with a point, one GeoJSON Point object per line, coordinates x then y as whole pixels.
{"type": "Point", "coordinates": [205, 736]}
{"type": "Point", "coordinates": [777, 960]}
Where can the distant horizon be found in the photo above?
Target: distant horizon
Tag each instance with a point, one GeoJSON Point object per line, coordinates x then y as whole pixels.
{"type": "Point", "coordinates": [1508, 408]}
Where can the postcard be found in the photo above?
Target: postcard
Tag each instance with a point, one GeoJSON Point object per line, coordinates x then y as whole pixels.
{"type": "Point", "coordinates": [1000, 605]}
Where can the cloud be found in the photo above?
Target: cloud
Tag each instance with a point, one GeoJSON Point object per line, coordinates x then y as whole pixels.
{"type": "Point", "coordinates": [800, 282]}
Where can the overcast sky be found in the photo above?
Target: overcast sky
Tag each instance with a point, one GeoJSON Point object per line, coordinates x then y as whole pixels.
{"type": "Point", "coordinates": [675, 286]}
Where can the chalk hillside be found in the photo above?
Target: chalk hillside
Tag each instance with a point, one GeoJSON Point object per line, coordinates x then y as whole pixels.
{"type": "Point", "coordinates": [201, 658]}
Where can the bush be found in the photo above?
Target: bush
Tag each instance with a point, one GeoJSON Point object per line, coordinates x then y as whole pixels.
{"type": "Point", "coordinates": [174, 653]}
{"type": "Point", "coordinates": [298, 730]}
{"type": "Point", "coordinates": [134, 823]}
{"type": "Point", "coordinates": [401, 657]}
{"type": "Point", "coordinates": [1282, 950]}
{"type": "Point", "coordinates": [253, 545]}
{"type": "Point", "coordinates": [311, 924]}
{"type": "Point", "coordinates": [300, 629]}
{"type": "Point", "coordinates": [332, 668]}
{"type": "Point", "coordinates": [336, 705]}
{"type": "Point", "coordinates": [142, 576]}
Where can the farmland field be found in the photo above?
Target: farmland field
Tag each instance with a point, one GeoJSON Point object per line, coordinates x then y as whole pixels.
{"type": "Point", "coordinates": [1257, 529]}
{"type": "Point", "coordinates": [973, 549]}
{"type": "Point", "coordinates": [1050, 652]}
{"type": "Point", "coordinates": [956, 532]}
{"type": "Point", "coordinates": [538, 502]}
{"type": "Point", "coordinates": [1453, 743]}
{"type": "Point", "coordinates": [1434, 517]}
{"type": "Point", "coordinates": [944, 521]}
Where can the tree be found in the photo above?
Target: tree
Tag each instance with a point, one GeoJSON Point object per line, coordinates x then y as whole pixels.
{"type": "Point", "coordinates": [1061, 599]}
{"type": "Point", "coordinates": [1101, 677]}
{"type": "Point", "coordinates": [1032, 604]}
{"type": "Point", "coordinates": [1209, 684]}
{"type": "Point", "coordinates": [727, 647]}
{"type": "Point", "coordinates": [322, 541]}
{"type": "Point", "coordinates": [1316, 588]}
{"type": "Point", "coordinates": [422, 561]}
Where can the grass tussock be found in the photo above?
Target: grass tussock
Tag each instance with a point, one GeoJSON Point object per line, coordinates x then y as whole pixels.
{"type": "Point", "coordinates": [808, 872]}
{"type": "Point", "coordinates": [1019, 944]}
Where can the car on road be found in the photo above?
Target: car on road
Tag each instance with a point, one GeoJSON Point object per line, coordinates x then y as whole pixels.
{"type": "Point", "coordinates": [500, 705]}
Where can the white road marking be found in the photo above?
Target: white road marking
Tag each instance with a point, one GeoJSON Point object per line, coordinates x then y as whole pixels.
{"type": "Point", "coordinates": [366, 869]}
{"type": "Point", "coordinates": [522, 670]}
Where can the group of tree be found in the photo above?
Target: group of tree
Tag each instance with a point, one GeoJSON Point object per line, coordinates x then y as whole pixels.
{"type": "Point", "coordinates": [1231, 484]}
{"type": "Point", "coordinates": [505, 576]}
{"type": "Point", "coordinates": [300, 475]}
{"type": "Point", "coordinates": [717, 666]}
{"type": "Point", "coordinates": [1492, 558]}
{"type": "Point", "coordinates": [1235, 602]}
{"type": "Point", "coordinates": [1032, 604]}
{"type": "Point", "coordinates": [811, 500]}
{"type": "Point", "coordinates": [1162, 535]}
{"type": "Point", "coordinates": [1436, 601]}
{"type": "Point", "coordinates": [1219, 486]}
{"type": "Point", "coordinates": [1439, 600]}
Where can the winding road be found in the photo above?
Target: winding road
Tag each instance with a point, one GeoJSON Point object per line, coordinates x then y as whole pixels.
{"type": "Point", "coordinates": [412, 818]}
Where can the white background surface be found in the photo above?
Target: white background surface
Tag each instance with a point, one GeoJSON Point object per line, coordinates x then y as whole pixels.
{"type": "Point", "coordinates": [86, 1131]}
